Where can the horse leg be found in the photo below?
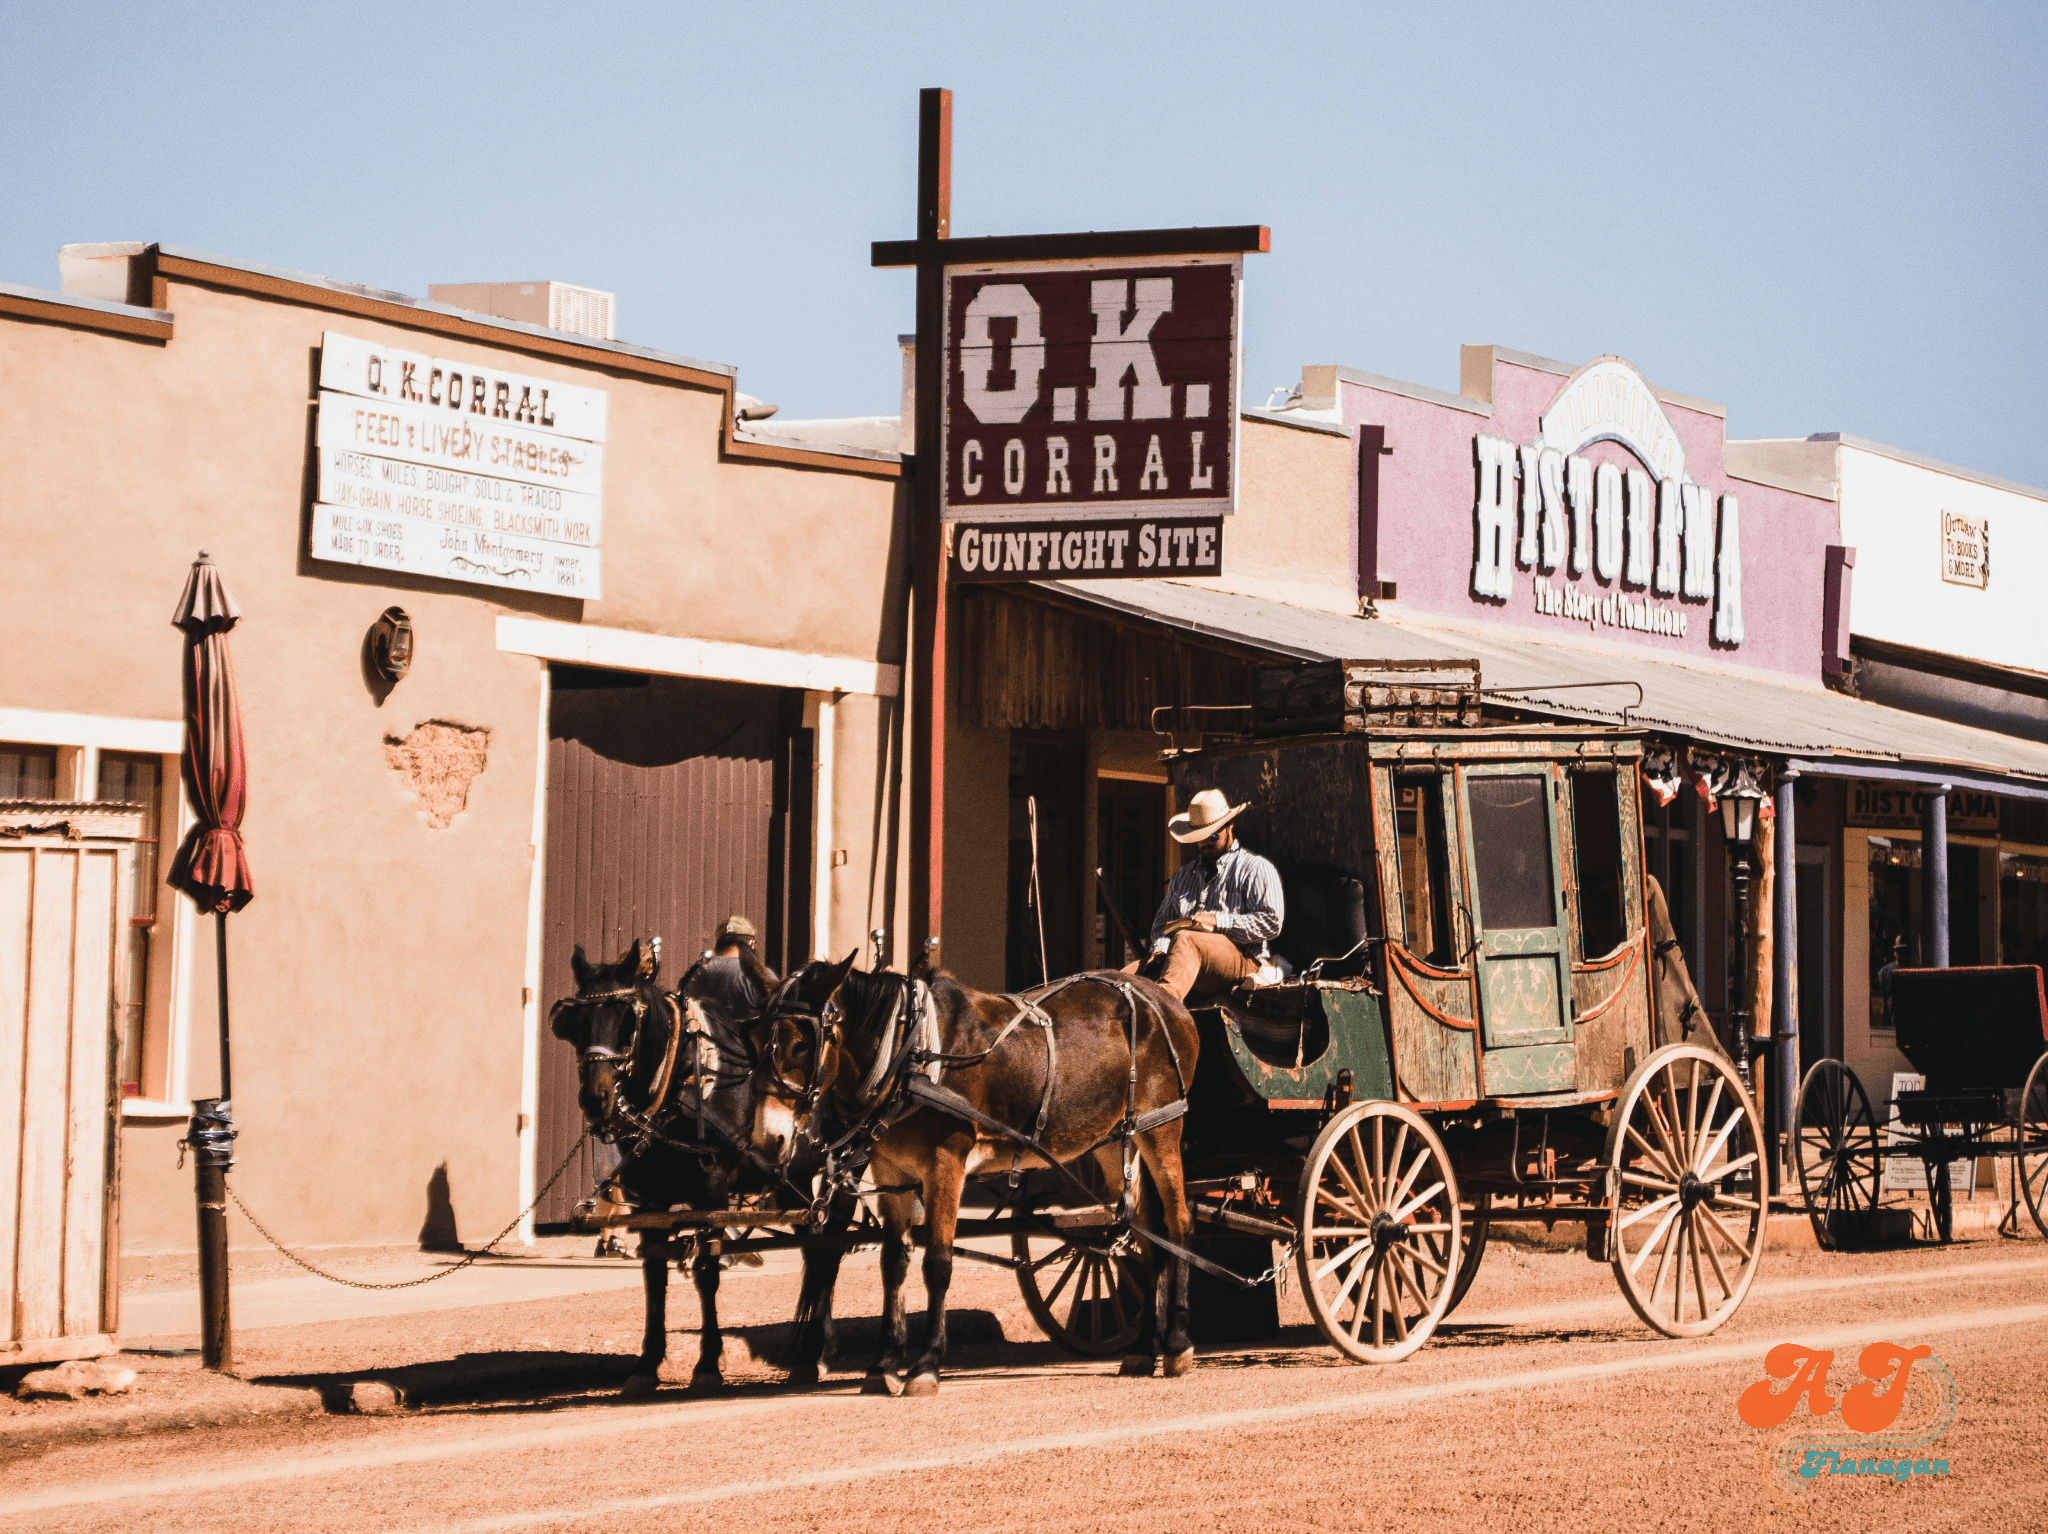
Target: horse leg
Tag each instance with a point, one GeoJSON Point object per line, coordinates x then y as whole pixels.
{"type": "Point", "coordinates": [1161, 1151]}
{"type": "Point", "coordinates": [711, 1348]}
{"type": "Point", "coordinates": [646, 1376]}
{"type": "Point", "coordinates": [942, 1218]}
{"type": "Point", "coordinates": [814, 1309]}
{"type": "Point", "coordinates": [1139, 1357]}
{"type": "Point", "coordinates": [885, 1375]}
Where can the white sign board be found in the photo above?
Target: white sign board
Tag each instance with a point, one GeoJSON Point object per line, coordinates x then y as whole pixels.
{"type": "Point", "coordinates": [1905, 1174]}
{"type": "Point", "coordinates": [1965, 550]}
{"type": "Point", "coordinates": [462, 472]}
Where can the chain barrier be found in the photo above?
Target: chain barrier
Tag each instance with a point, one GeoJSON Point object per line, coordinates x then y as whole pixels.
{"type": "Point", "coordinates": [413, 1283]}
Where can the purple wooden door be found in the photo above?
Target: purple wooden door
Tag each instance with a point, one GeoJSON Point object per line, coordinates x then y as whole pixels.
{"type": "Point", "coordinates": [668, 810]}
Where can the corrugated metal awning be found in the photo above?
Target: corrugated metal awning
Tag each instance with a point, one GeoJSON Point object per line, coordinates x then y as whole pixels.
{"type": "Point", "coordinates": [1714, 705]}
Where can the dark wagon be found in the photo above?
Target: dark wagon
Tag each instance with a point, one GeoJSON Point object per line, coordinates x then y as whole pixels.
{"type": "Point", "coordinates": [1979, 1037]}
{"type": "Point", "coordinates": [1471, 1034]}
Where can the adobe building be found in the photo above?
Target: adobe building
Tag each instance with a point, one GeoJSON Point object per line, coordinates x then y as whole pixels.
{"type": "Point", "coordinates": [654, 679]}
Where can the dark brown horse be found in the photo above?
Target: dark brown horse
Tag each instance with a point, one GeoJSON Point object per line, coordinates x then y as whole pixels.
{"type": "Point", "coordinates": [846, 1060]}
{"type": "Point", "coordinates": [669, 1076]}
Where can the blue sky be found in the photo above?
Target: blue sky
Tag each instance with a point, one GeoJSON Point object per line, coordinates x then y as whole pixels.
{"type": "Point", "coordinates": [1825, 217]}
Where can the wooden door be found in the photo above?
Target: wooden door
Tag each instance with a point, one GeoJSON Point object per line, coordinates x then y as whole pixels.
{"type": "Point", "coordinates": [672, 804]}
{"type": "Point", "coordinates": [1429, 979]}
{"type": "Point", "coordinates": [63, 905]}
{"type": "Point", "coordinates": [1130, 848]}
{"type": "Point", "coordinates": [1514, 897]}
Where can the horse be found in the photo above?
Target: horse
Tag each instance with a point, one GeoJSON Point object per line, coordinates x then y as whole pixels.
{"type": "Point", "coordinates": [670, 1074]}
{"type": "Point", "coordinates": [850, 1059]}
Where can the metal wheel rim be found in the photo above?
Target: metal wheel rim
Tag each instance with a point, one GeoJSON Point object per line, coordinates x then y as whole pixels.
{"type": "Point", "coordinates": [1478, 1221]}
{"type": "Point", "coordinates": [2033, 1144]}
{"type": "Point", "coordinates": [1684, 1176]}
{"type": "Point", "coordinates": [1377, 1288]}
{"type": "Point", "coordinates": [1835, 1149]}
{"type": "Point", "coordinates": [1068, 1289]}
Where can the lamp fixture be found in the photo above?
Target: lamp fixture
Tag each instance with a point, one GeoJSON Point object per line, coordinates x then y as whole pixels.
{"type": "Point", "coordinates": [391, 644]}
{"type": "Point", "coordinates": [1738, 815]}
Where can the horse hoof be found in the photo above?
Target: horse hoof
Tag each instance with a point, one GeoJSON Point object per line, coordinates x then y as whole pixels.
{"type": "Point", "coordinates": [882, 1384]}
{"type": "Point", "coordinates": [706, 1382]}
{"type": "Point", "coordinates": [922, 1385]}
{"type": "Point", "coordinates": [803, 1374]}
{"type": "Point", "coordinates": [1178, 1364]}
{"type": "Point", "coordinates": [640, 1387]}
{"type": "Point", "coordinates": [1136, 1366]}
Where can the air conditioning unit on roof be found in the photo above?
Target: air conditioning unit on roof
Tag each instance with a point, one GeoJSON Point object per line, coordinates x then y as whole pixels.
{"type": "Point", "coordinates": [557, 305]}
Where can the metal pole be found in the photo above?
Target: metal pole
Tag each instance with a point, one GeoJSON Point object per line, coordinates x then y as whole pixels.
{"type": "Point", "coordinates": [1785, 977]}
{"type": "Point", "coordinates": [211, 1139]}
{"type": "Point", "coordinates": [1934, 879]}
{"type": "Point", "coordinates": [1738, 1008]}
{"type": "Point", "coordinates": [1037, 894]}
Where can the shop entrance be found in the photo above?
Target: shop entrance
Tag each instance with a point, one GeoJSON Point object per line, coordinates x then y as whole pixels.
{"type": "Point", "coordinates": [670, 807]}
{"type": "Point", "coordinates": [1130, 848]}
{"type": "Point", "coordinates": [1048, 771]}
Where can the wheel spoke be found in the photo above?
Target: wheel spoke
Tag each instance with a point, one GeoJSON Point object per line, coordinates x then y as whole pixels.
{"type": "Point", "coordinates": [1398, 1275]}
{"type": "Point", "coordinates": [1726, 1234]}
{"type": "Point", "coordinates": [1651, 1154]}
{"type": "Point", "coordinates": [1325, 1270]}
{"type": "Point", "coordinates": [1707, 1123]}
{"type": "Point", "coordinates": [1730, 1168]}
{"type": "Point", "coordinates": [1656, 1239]}
{"type": "Point", "coordinates": [1674, 1157]}
{"type": "Point", "coordinates": [1442, 1270]}
{"type": "Point", "coordinates": [1350, 1209]}
{"type": "Point", "coordinates": [1714, 1257]}
{"type": "Point", "coordinates": [1366, 1207]}
{"type": "Point", "coordinates": [1650, 1182]}
{"type": "Point", "coordinates": [1407, 1179]}
{"type": "Point", "coordinates": [1699, 1281]}
{"type": "Point", "coordinates": [1419, 1200]}
{"type": "Point", "coordinates": [1116, 1296]}
{"type": "Point", "coordinates": [1735, 1120]}
{"type": "Point", "coordinates": [1645, 1209]}
{"type": "Point", "coordinates": [1066, 1273]}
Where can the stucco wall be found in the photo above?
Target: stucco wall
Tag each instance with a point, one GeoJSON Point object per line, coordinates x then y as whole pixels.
{"type": "Point", "coordinates": [378, 1015]}
{"type": "Point", "coordinates": [1427, 535]}
{"type": "Point", "coordinates": [1891, 514]}
{"type": "Point", "coordinates": [1291, 537]}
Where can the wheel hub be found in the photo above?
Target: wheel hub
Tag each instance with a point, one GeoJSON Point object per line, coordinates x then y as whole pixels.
{"type": "Point", "coordinates": [1387, 1231]}
{"type": "Point", "coordinates": [1692, 1191]}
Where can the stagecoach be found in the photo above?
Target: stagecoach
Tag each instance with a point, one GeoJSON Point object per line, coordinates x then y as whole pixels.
{"type": "Point", "coordinates": [1471, 1034]}
{"type": "Point", "coordinates": [1979, 1038]}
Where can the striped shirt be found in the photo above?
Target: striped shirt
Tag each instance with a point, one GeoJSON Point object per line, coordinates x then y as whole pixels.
{"type": "Point", "coordinates": [1243, 891]}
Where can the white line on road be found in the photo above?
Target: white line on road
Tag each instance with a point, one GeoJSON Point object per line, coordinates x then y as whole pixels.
{"type": "Point", "coordinates": [616, 1424]}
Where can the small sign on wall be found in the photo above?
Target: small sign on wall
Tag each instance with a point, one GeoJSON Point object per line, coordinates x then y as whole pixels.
{"type": "Point", "coordinates": [1901, 806]}
{"type": "Point", "coordinates": [1965, 550]}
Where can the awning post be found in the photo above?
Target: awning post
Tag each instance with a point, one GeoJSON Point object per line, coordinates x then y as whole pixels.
{"type": "Point", "coordinates": [1934, 878]}
{"type": "Point", "coordinates": [1785, 978]}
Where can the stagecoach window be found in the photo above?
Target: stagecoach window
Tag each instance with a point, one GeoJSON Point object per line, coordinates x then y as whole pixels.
{"type": "Point", "coordinates": [1596, 846]}
{"type": "Point", "coordinates": [1424, 852]}
{"type": "Point", "coordinates": [1511, 845]}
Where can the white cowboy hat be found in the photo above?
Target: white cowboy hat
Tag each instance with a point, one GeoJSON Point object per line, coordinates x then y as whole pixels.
{"type": "Point", "coordinates": [1207, 813]}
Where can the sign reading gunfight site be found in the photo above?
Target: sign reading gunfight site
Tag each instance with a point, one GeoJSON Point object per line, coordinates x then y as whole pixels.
{"type": "Point", "coordinates": [458, 471]}
{"type": "Point", "coordinates": [1090, 417]}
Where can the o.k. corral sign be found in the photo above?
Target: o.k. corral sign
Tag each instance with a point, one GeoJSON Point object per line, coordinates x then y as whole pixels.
{"type": "Point", "coordinates": [457, 470]}
{"type": "Point", "coordinates": [1090, 417]}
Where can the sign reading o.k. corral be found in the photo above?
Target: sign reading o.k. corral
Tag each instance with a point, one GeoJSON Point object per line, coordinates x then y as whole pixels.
{"type": "Point", "coordinates": [1093, 394]}
{"type": "Point", "coordinates": [456, 470]}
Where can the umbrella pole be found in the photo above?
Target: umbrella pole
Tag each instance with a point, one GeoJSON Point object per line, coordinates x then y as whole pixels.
{"type": "Point", "coordinates": [213, 1143]}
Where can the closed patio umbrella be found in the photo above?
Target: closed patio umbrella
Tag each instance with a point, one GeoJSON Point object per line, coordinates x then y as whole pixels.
{"type": "Point", "coordinates": [213, 868]}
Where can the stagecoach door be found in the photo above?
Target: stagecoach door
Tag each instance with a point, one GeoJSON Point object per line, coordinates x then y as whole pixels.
{"type": "Point", "coordinates": [1516, 928]}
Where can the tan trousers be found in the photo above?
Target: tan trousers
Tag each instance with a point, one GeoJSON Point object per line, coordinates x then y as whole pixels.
{"type": "Point", "coordinates": [1202, 965]}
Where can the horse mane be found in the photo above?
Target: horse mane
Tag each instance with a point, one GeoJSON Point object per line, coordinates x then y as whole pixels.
{"type": "Point", "coordinates": [868, 1000]}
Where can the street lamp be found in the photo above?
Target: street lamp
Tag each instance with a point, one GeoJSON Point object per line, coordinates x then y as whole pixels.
{"type": "Point", "coordinates": [1738, 828]}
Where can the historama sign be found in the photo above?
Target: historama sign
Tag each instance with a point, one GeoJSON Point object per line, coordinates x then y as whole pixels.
{"type": "Point", "coordinates": [1090, 416]}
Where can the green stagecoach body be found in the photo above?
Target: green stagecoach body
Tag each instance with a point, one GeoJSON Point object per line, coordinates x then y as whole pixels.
{"type": "Point", "coordinates": [1498, 871]}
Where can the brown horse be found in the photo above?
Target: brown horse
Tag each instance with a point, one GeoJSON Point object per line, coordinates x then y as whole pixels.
{"type": "Point", "coordinates": [846, 1063]}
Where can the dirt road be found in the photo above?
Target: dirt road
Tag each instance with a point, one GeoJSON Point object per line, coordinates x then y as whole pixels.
{"type": "Point", "coordinates": [1543, 1405]}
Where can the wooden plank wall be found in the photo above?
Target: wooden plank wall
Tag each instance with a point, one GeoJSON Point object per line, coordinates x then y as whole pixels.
{"type": "Point", "coordinates": [1034, 665]}
{"type": "Point", "coordinates": [59, 907]}
{"type": "Point", "coordinates": [663, 816]}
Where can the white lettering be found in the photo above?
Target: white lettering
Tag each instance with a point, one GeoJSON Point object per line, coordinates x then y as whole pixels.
{"type": "Point", "coordinates": [1642, 518]}
{"type": "Point", "coordinates": [1728, 577]}
{"type": "Point", "coordinates": [1579, 485]}
{"type": "Point", "coordinates": [1118, 348]}
{"type": "Point", "coordinates": [1666, 578]}
{"type": "Point", "coordinates": [1148, 545]}
{"type": "Point", "coordinates": [1070, 551]}
{"type": "Point", "coordinates": [1013, 466]}
{"type": "Point", "coordinates": [1118, 537]}
{"type": "Point", "coordinates": [1607, 521]}
{"type": "Point", "coordinates": [1057, 481]}
{"type": "Point", "coordinates": [1038, 542]}
{"type": "Point", "coordinates": [970, 549]}
{"type": "Point", "coordinates": [1698, 507]}
{"type": "Point", "coordinates": [1532, 502]}
{"type": "Point", "coordinates": [1013, 551]}
{"type": "Point", "coordinates": [1205, 545]}
{"type": "Point", "coordinates": [1001, 300]}
{"type": "Point", "coordinates": [1550, 471]}
{"type": "Point", "coordinates": [970, 481]}
{"type": "Point", "coordinates": [1105, 464]}
{"type": "Point", "coordinates": [1154, 477]}
{"type": "Point", "coordinates": [1200, 478]}
{"type": "Point", "coordinates": [1494, 512]}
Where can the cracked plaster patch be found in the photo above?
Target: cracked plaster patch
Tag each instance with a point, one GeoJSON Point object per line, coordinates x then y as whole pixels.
{"type": "Point", "coordinates": [437, 762]}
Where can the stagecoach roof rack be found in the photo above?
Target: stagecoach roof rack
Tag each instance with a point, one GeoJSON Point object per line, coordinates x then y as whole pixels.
{"type": "Point", "coordinates": [1342, 697]}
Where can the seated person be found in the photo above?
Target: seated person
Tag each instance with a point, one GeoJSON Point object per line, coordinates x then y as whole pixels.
{"type": "Point", "coordinates": [1220, 910]}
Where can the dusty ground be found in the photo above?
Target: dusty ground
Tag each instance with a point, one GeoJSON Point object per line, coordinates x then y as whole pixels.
{"type": "Point", "coordinates": [1543, 1405]}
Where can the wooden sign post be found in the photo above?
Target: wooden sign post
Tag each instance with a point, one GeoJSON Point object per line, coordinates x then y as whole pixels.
{"type": "Point", "coordinates": [1077, 401]}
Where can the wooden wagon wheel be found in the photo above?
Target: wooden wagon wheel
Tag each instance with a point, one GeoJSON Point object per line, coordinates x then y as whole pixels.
{"type": "Point", "coordinates": [1083, 1296]}
{"type": "Point", "coordinates": [1478, 1220]}
{"type": "Point", "coordinates": [1685, 1182]}
{"type": "Point", "coordinates": [1379, 1221]}
{"type": "Point", "coordinates": [2031, 1160]}
{"type": "Point", "coordinates": [1836, 1150]}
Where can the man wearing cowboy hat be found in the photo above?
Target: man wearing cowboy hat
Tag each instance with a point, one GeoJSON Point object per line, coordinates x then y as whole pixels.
{"type": "Point", "coordinates": [1221, 909]}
